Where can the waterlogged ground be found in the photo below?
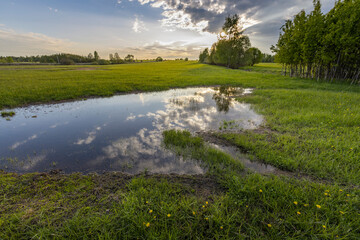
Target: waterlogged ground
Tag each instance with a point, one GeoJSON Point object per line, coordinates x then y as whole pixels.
{"type": "Point", "coordinates": [120, 133]}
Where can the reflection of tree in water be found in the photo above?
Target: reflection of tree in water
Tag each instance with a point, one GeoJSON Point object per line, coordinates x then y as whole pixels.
{"type": "Point", "coordinates": [191, 104]}
{"type": "Point", "coordinates": [224, 96]}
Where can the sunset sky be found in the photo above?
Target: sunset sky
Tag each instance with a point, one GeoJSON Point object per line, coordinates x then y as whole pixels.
{"type": "Point", "coordinates": [144, 28]}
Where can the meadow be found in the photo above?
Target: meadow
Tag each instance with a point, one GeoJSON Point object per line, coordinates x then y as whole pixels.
{"type": "Point", "coordinates": [311, 131]}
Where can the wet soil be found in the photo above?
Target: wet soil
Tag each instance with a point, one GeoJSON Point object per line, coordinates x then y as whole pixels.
{"type": "Point", "coordinates": [201, 186]}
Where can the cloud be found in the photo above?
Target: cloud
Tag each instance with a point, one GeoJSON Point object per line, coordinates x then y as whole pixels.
{"type": "Point", "coordinates": [209, 15]}
{"type": "Point", "coordinates": [139, 26]}
{"type": "Point", "coordinates": [53, 9]}
{"type": "Point", "coordinates": [168, 50]}
{"type": "Point", "coordinates": [18, 144]}
{"type": "Point", "coordinates": [15, 43]}
{"type": "Point", "coordinates": [90, 138]}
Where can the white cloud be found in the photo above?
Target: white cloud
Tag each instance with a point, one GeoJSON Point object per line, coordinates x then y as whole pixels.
{"type": "Point", "coordinates": [90, 138]}
{"type": "Point", "coordinates": [53, 9]}
{"type": "Point", "coordinates": [173, 49]}
{"type": "Point", "coordinates": [15, 43]}
{"type": "Point", "coordinates": [139, 26]}
{"type": "Point", "coordinates": [179, 19]}
{"type": "Point", "coordinates": [18, 144]}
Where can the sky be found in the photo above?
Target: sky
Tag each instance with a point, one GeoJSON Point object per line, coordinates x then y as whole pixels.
{"type": "Point", "coordinates": [145, 28]}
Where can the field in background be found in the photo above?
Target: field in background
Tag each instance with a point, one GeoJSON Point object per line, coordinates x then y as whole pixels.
{"type": "Point", "coordinates": [312, 131]}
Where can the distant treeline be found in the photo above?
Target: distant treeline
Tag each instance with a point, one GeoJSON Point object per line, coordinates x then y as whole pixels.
{"type": "Point", "coordinates": [233, 48]}
{"type": "Point", "coordinates": [55, 58]}
{"type": "Point", "coordinates": [267, 58]}
{"type": "Point", "coordinates": [69, 59]}
{"type": "Point", "coordinates": [322, 46]}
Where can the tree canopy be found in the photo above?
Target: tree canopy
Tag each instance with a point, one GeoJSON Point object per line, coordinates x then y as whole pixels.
{"type": "Point", "coordinates": [322, 46]}
{"type": "Point", "coordinates": [232, 48]}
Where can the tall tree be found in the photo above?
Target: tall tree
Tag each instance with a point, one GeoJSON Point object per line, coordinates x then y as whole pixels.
{"type": "Point", "coordinates": [254, 55]}
{"type": "Point", "coordinates": [90, 56]}
{"type": "Point", "coordinates": [322, 46]}
{"type": "Point", "coordinates": [232, 45]}
{"type": "Point", "coordinates": [129, 58]}
{"type": "Point", "coordinates": [96, 56]}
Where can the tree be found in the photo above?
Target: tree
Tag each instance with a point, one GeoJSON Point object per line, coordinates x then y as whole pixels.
{"type": "Point", "coordinates": [254, 55]}
{"type": "Point", "coordinates": [90, 56]}
{"type": "Point", "coordinates": [230, 49]}
{"type": "Point", "coordinates": [159, 59]}
{"type": "Point", "coordinates": [204, 56]}
{"type": "Point", "coordinates": [111, 57]}
{"type": "Point", "coordinates": [9, 60]}
{"type": "Point", "coordinates": [129, 58]}
{"type": "Point", "coordinates": [117, 57]}
{"type": "Point", "coordinates": [96, 56]}
{"type": "Point", "coordinates": [322, 46]}
{"type": "Point", "coordinates": [186, 59]}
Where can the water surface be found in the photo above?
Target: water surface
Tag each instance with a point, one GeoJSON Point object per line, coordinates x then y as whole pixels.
{"type": "Point", "coordinates": [120, 133]}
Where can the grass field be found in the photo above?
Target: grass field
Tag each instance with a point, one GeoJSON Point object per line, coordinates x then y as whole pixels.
{"type": "Point", "coordinates": [312, 130]}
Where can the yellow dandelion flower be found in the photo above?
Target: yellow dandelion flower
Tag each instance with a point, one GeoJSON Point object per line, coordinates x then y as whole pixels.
{"type": "Point", "coordinates": [298, 213]}
{"type": "Point", "coordinates": [269, 225]}
{"type": "Point", "coordinates": [324, 226]}
{"type": "Point", "coordinates": [221, 228]}
{"type": "Point", "coordinates": [326, 194]}
{"type": "Point", "coordinates": [169, 215]}
{"type": "Point", "coordinates": [206, 218]}
{"type": "Point", "coordinates": [147, 202]}
{"type": "Point", "coordinates": [260, 190]}
{"type": "Point", "coordinates": [193, 213]}
{"type": "Point", "coordinates": [148, 225]}
{"type": "Point", "coordinates": [318, 206]}
{"type": "Point", "coordinates": [247, 206]}
{"type": "Point", "coordinates": [341, 212]}
{"type": "Point", "coordinates": [306, 205]}
{"type": "Point", "coordinates": [348, 195]}
{"type": "Point", "coordinates": [150, 211]}
{"type": "Point", "coordinates": [203, 206]}
{"type": "Point", "coordinates": [340, 190]}
{"type": "Point", "coordinates": [206, 203]}
{"type": "Point", "coordinates": [296, 203]}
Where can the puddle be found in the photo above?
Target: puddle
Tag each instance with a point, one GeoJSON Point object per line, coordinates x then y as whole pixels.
{"type": "Point", "coordinates": [120, 133]}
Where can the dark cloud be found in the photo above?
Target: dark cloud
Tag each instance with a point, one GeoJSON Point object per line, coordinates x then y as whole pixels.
{"type": "Point", "coordinates": [215, 11]}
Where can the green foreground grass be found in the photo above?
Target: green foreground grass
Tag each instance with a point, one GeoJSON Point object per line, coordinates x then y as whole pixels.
{"type": "Point", "coordinates": [310, 128]}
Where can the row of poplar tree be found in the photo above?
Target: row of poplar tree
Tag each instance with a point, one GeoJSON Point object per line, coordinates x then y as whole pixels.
{"type": "Point", "coordinates": [233, 49]}
{"type": "Point", "coordinates": [322, 46]}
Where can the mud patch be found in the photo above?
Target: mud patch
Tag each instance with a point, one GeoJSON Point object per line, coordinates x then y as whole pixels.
{"type": "Point", "coordinates": [201, 186]}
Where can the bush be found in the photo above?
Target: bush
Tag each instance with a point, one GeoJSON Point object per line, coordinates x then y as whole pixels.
{"type": "Point", "coordinates": [66, 61]}
{"type": "Point", "coordinates": [103, 62]}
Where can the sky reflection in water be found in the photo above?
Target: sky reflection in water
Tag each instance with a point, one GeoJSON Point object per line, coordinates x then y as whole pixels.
{"type": "Point", "coordinates": [121, 133]}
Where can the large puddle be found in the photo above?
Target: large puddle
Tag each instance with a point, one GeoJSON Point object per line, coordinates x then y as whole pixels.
{"type": "Point", "coordinates": [120, 133]}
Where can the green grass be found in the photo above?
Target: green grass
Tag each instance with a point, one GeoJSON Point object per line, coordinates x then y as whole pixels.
{"type": "Point", "coordinates": [183, 143]}
{"type": "Point", "coordinates": [264, 68]}
{"type": "Point", "coordinates": [310, 128]}
{"type": "Point", "coordinates": [7, 114]}
{"type": "Point", "coordinates": [21, 85]}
